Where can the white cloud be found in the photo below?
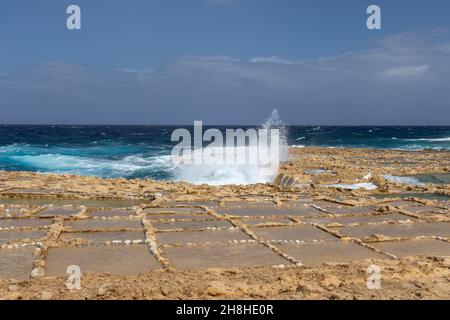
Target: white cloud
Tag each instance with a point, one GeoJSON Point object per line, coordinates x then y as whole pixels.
{"type": "Point", "coordinates": [367, 87]}
{"type": "Point", "coordinates": [273, 59]}
{"type": "Point", "coordinates": [137, 71]}
{"type": "Point", "coordinates": [409, 71]}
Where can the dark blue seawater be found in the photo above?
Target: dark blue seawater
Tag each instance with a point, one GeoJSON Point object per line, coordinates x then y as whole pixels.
{"type": "Point", "coordinates": [144, 151]}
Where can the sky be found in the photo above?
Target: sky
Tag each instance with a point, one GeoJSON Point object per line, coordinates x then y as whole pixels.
{"type": "Point", "coordinates": [225, 62]}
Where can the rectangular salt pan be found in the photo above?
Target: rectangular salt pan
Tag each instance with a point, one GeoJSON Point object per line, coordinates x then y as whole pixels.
{"type": "Point", "coordinates": [223, 256]}
{"type": "Point", "coordinates": [301, 233]}
{"type": "Point", "coordinates": [185, 237]}
{"type": "Point", "coordinates": [440, 229]}
{"type": "Point", "coordinates": [16, 263]}
{"type": "Point", "coordinates": [333, 251]}
{"type": "Point", "coordinates": [100, 237]}
{"type": "Point", "coordinates": [422, 247]}
{"type": "Point", "coordinates": [122, 260]}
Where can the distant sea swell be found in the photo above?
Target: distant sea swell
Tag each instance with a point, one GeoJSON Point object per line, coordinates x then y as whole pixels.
{"type": "Point", "coordinates": [144, 151]}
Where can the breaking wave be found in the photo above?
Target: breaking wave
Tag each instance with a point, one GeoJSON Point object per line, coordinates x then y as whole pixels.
{"type": "Point", "coordinates": [132, 166]}
{"type": "Point", "coordinates": [229, 173]}
{"type": "Point", "coordinates": [445, 139]}
{"type": "Point", "coordinates": [144, 151]}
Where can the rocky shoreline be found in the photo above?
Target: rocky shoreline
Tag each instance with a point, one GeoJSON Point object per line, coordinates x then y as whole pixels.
{"type": "Point", "coordinates": [311, 233]}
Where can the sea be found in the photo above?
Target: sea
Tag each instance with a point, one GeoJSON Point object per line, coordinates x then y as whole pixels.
{"type": "Point", "coordinates": [130, 152]}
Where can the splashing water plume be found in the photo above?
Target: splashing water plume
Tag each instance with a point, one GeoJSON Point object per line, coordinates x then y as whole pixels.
{"type": "Point", "coordinates": [248, 173]}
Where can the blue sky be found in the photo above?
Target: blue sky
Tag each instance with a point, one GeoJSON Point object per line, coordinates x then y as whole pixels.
{"type": "Point", "coordinates": [224, 61]}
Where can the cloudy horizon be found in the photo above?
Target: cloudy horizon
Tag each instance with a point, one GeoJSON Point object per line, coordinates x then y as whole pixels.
{"type": "Point", "coordinates": [397, 78]}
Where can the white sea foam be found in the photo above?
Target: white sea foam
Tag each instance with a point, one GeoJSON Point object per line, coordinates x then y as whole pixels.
{"type": "Point", "coordinates": [445, 139]}
{"type": "Point", "coordinates": [356, 186]}
{"type": "Point", "coordinates": [297, 146]}
{"type": "Point", "coordinates": [128, 166]}
{"type": "Point", "coordinates": [402, 180]}
{"type": "Point", "coordinates": [225, 173]}
{"type": "Point", "coordinates": [221, 174]}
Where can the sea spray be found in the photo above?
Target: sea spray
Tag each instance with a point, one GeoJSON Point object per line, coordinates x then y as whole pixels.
{"type": "Point", "coordinates": [274, 121]}
{"type": "Point", "coordinates": [144, 151]}
{"type": "Point", "coordinates": [247, 156]}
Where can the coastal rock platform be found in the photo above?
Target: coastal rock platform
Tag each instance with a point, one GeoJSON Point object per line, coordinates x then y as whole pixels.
{"type": "Point", "coordinates": [313, 237]}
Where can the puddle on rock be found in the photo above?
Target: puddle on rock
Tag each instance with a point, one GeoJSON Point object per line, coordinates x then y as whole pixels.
{"type": "Point", "coordinates": [435, 178]}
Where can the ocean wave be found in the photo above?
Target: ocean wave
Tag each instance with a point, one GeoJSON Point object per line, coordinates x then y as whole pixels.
{"type": "Point", "coordinates": [132, 166]}
{"type": "Point", "coordinates": [144, 151]}
{"type": "Point", "coordinates": [419, 147]}
{"type": "Point", "coordinates": [444, 139]}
